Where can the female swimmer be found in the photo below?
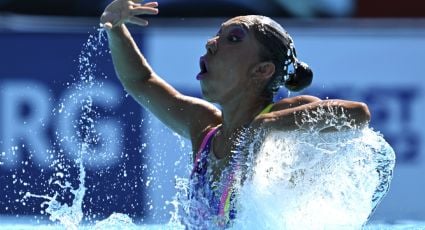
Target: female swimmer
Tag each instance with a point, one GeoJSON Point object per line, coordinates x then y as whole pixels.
{"type": "Point", "coordinates": [244, 65]}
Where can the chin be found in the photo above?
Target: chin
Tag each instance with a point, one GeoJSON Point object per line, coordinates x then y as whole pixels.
{"type": "Point", "coordinates": [208, 97]}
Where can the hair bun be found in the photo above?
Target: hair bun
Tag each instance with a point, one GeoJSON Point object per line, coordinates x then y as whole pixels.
{"type": "Point", "coordinates": [300, 79]}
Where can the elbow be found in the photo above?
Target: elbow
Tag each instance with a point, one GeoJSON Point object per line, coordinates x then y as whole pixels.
{"type": "Point", "coordinates": [361, 114]}
{"type": "Point", "coordinates": [365, 112]}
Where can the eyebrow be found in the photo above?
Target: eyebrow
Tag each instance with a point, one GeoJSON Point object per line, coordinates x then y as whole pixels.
{"type": "Point", "coordinates": [244, 27]}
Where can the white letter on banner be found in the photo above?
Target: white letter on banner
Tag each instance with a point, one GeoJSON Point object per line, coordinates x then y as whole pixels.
{"type": "Point", "coordinates": [20, 129]}
{"type": "Point", "coordinates": [82, 131]}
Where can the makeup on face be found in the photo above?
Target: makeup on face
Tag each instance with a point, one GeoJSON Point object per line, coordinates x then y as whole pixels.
{"type": "Point", "coordinates": [233, 32]}
{"type": "Point", "coordinates": [236, 34]}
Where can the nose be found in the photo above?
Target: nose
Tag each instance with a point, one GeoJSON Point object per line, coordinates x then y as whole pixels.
{"type": "Point", "coordinates": [212, 45]}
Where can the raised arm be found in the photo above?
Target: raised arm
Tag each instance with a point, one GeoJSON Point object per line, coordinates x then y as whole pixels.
{"type": "Point", "coordinates": [306, 112]}
{"type": "Point", "coordinates": [187, 116]}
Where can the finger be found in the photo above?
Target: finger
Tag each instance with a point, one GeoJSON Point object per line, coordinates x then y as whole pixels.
{"type": "Point", "coordinates": [107, 25]}
{"type": "Point", "coordinates": [109, 19]}
{"type": "Point", "coordinates": [138, 5]}
{"type": "Point", "coordinates": [135, 4]}
{"type": "Point", "coordinates": [151, 4]}
{"type": "Point", "coordinates": [144, 10]}
{"type": "Point", "coordinates": [137, 21]}
{"type": "Point", "coordinates": [106, 21]}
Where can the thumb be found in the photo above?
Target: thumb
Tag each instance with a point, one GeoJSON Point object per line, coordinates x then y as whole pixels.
{"type": "Point", "coordinates": [109, 20]}
{"type": "Point", "coordinates": [106, 25]}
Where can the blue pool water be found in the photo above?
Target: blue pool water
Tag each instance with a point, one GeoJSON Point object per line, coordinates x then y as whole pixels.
{"type": "Point", "coordinates": [25, 223]}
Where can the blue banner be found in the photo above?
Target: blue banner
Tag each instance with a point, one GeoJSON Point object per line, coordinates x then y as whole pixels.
{"type": "Point", "coordinates": [47, 100]}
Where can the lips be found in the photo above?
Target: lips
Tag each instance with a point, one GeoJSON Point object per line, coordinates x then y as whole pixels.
{"type": "Point", "coordinates": [204, 68]}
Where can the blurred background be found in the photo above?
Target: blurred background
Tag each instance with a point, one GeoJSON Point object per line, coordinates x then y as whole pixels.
{"type": "Point", "coordinates": [227, 8]}
{"type": "Point", "coordinates": [370, 51]}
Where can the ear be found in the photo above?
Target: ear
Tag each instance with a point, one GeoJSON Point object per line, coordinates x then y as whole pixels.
{"type": "Point", "coordinates": [264, 69]}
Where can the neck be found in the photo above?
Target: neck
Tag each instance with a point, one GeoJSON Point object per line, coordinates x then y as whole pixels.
{"type": "Point", "coordinates": [239, 112]}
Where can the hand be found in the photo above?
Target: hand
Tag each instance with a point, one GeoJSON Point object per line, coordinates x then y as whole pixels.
{"type": "Point", "coordinates": [262, 121]}
{"type": "Point", "coordinates": [122, 11]}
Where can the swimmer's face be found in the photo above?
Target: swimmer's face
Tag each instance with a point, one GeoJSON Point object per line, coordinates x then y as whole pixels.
{"type": "Point", "coordinates": [230, 61]}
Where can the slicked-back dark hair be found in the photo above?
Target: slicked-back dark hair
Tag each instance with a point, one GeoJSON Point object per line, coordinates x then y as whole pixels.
{"type": "Point", "coordinates": [278, 47]}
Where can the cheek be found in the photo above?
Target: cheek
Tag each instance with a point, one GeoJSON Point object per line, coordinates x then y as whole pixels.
{"type": "Point", "coordinates": [239, 71]}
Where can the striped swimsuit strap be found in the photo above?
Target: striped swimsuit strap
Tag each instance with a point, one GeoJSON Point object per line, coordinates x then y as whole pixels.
{"type": "Point", "coordinates": [225, 200]}
{"type": "Point", "coordinates": [204, 143]}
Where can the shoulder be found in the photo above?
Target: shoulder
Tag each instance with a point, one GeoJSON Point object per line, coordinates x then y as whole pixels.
{"type": "Point", "coordinates": [283, 109]}
{"type": "Point", "coordinates": [292, 102]}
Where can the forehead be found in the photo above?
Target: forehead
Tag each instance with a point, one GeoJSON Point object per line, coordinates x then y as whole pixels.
{"type": "Point", "coordinates": [242, 21]}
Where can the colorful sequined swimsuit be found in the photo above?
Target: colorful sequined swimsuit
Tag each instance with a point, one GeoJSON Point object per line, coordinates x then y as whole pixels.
{"type": "Point", "coordinates": [213, 203]}
{"type": "Point", "coordinates": [210, 199]}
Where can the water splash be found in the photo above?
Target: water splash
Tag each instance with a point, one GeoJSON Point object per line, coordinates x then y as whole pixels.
{"type": "Point", "coordinates": [84, 141]}
{"type": "Point", "coordinates": [69, 216]}
{"type": "Point", "coordinates": [316, 180]}
{"type": "Point", "coordinates": [306, 179]}
{"type": "Point", "coordinates": [116, 221]}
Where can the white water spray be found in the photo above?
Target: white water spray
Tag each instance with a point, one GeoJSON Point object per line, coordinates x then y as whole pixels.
{"type": "Point", "coordinates": [316, 181]}
{"type": "Point", "coordinates": [307, 179]}
{"type": "Point", "coordinates": [69, 216]}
